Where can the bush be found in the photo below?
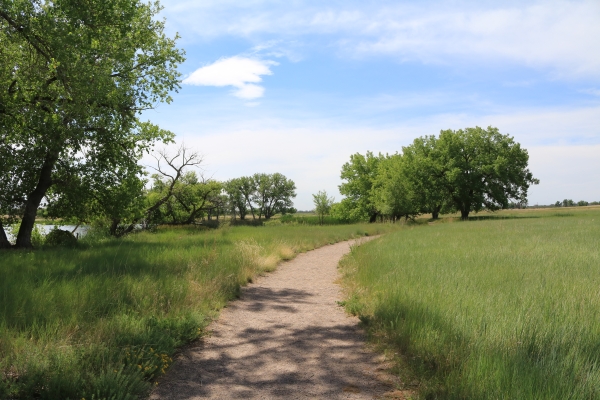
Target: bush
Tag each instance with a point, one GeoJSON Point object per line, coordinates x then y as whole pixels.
{"type": "Point", "coordinates": [59, 237]}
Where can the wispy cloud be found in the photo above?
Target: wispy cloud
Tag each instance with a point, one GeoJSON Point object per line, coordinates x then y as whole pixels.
{"type": "Point", "coordinates": [240, 72]}
{"type": "Point", "coordinates": [558, 36]}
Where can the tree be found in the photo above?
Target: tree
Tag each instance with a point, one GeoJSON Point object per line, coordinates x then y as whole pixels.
{"type": "Point", "coordinates": [247, 187]}
{"type": "Point", "coordinates": [393, 193]}
{"type": "Point", "coordinates": [74, 78]}
{"type": "Point", "coordinates": [482, 168]}
{"type": "Point", "coordinates": [236, 200]}
{"type": "Point", "coordinates": [323, 205]}
{"type": "Point", "coordinates": [568, 203]}
{"type": "Point", "coordinates": [424, 172]}
{"type": "Point", "coordinates": [273, 194]}
{"type": "Point", "coordinates": [359, 174]}
{"type": "Point", "coordinates": [176, 192]}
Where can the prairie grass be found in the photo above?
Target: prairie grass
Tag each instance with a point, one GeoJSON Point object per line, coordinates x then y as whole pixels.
{"type": "Point", "coordinates": [104, 319]}
{"type": "Point", "coordinates": [504, 307]}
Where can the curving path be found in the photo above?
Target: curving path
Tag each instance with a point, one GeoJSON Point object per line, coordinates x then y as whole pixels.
{"type": "Point", "coordinates": [286, 338]}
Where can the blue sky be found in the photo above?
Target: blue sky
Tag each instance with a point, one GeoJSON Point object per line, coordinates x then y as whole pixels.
{"type": "Point", "coordinates": [298, 86]}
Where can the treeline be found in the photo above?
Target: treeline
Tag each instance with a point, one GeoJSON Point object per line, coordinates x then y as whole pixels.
{"type": "Point", "coordinates": [464, 170]}
{"type": "Point", "coordinates": [194, 198]}
{"type": "Point", "coordinates": [176, 196]}
{"type": "Point", "coordinates": [571, 203]}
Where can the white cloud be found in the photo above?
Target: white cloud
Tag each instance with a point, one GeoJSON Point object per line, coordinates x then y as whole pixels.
{"type": "Point", "coordinates": [240, 72]}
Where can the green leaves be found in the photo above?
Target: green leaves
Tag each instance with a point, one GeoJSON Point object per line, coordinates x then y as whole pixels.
{"type": "Point", "coordinates": [466, 170]}
{"type": "Point", "coordinates": [74, 78]}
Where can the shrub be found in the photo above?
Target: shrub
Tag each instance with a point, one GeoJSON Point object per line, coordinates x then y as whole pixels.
{"type": "Point", "coordinates": [59, 237]}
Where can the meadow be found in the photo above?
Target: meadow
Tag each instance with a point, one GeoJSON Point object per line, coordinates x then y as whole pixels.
{"type": "Point", "coordinates": [104, 319]}
{"type": "Point", "coordinates": [503, 306]}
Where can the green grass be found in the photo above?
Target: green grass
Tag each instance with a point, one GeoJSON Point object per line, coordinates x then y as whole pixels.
{"type": "Point", "coordinates": [501, 308]}
{"type": "Point", "coordinates": [103, 320]}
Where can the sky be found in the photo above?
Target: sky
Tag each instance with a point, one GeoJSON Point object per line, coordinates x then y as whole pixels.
{"type": "Point", "coordinates": [298, 86]}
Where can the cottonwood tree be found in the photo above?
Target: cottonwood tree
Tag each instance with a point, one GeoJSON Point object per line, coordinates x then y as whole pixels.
{"type": "Point", "coordinates": [74, 78]}
{"type": "Point", "coordinates": [359, 174]}
{"type": "Point", "coordinates": [323, 204]}
{"type": "Point", "coordinates": [424, 172]}
{"type": "Point", "coordinates": [236, 200]}
{"type": "Point", "coordinates": [393, 193]}
{"type": "Point", "coordinates": [247, 187]}
{"type": "Point", "coordinates": [274, 193]}
{"type": "Point", "coordinates": [482, 168]}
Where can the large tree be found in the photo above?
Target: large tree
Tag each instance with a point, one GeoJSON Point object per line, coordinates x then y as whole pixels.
{"type": "Point", "coordinates": [274, 193]}
{"type": "Point", "coordinates": [74, 78]}
{"type": "Point", "coordinates": [482, 168]}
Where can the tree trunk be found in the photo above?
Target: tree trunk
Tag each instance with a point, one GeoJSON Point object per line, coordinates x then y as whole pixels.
{"type": "Point", "coordinates": [373, 218]}
{"type": "Point", "coordinates": [113, 226]}
{"type": "Point", "coordinates": [33, 202]}
{"type": "Point", "coordinates": [435, 214]}
{"type": "Point", "coordinates": [4, 243]}
{"type": "Point", "coordinates": [464, 214]}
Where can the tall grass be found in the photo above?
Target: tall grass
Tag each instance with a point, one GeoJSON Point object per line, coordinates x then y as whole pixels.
{"type": "Point", "coordinates": [103, 320]}
{"type": "Point", "coordinates": [505, 308]}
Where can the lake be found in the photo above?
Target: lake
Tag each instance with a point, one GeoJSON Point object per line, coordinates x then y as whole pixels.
{"type": "Point", "coordinates": [45, 229]}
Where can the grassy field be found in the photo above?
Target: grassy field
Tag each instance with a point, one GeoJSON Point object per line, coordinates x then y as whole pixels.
{"type": "Point", "coordinates": [506, 306]}
{"type": "Point", "coordinates": [104, 319]}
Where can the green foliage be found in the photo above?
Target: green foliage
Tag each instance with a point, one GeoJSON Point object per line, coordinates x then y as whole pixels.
{"type": "Point", "coordinates": [303, 219]}
{"type": "Point", "coordinates": [188, 199]}
{"type": "Point", "coordinates": [482, 168]}
{"type": "Point", "coordinates": [104, 319]}
{"type": "Point", "coordinates": [392, 193]}
{"type": "Point", "coordinates": [262, 194]}
{"type": "Point", "coordinates": [346, 211]}
{"type": "Point", "coordinates": [465, 170]}
{"type": "Point", "coordinates": [503, 308]}
{"type": "Point", "coordinates": [323, 205]}
{"type": "Point", "coordinates": [236, 199]}
{"type": "Point", "coordinates": [59, 237]}
{"type": "Point", "coordinates": [359, 174]}
{"type": "Point", "coordinates": [424, 172]}
{"type": "Point", "coordinates": [274, 193]}
{"type": "Point", "coordinates": [73, 82]}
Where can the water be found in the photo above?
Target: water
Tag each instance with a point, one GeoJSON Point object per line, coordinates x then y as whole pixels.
{"type": "Point", "coordinates": [45, 229]}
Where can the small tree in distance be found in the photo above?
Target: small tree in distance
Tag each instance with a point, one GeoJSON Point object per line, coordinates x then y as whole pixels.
{"type": "Point", "coordinates": [323, 205]}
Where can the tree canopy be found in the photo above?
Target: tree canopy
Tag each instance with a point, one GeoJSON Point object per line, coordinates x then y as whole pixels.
{"type": "Point", "coordinates": [262, 194]}
{"type": "Point", "coordinates": [358, 175]}
{"type": "Point", "coordinates": [74, 78]}
{"type": "Point", "coordinates": [464, 170]}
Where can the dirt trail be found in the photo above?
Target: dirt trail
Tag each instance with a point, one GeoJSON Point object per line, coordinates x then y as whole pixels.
{"type": "Point", "coordinates": [286, 338]}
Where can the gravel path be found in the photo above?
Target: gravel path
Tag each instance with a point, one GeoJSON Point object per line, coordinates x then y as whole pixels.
{"type": "Point", "coordinates": [286, 338]}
